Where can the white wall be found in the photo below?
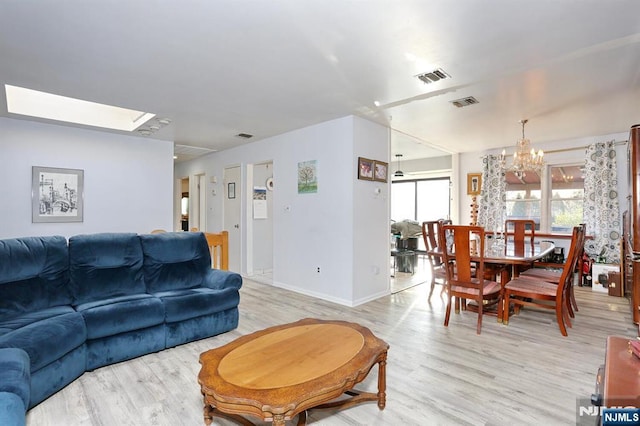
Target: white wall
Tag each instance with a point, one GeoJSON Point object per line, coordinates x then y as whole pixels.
{"type": "Point", "coordinates": [370, 215]}
{"type": "Point", "coordinates": [128, 181]}
{"type": "Point", "coordinates": [314, 230]}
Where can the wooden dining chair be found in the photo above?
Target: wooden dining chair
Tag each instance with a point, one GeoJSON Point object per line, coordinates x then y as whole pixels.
{"type": "Point", "coordinates": [520, 232]}
{"type": "Point", "coordinates": [219, 247]}
{"type": "Point", "coordinates": [464, 264]}
{"type": "Point", "coordinates": [436, 265]}
{"type": "Point", "coordinates": [554, 276]}
{"type": "Point", "coordinates": [531, 291]}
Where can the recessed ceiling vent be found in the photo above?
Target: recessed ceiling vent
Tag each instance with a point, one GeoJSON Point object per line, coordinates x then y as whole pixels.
{"type": "Point", "coordinates": [244, 135]}
{"type": "Point", "coordinates": [433, 76]}
{"type": "Point", "coordinates": [470, 100]}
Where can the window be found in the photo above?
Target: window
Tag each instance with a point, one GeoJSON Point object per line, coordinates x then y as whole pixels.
{"type": "Point", "coordinates": [556, 207]}
{"type": "Point", "coordinates": [566, 202]}
{"type": "Point", "coordinates": [420, 200]}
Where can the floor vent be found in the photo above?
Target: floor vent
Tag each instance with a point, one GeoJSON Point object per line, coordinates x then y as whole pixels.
{"type": "Point", "coordinates": [470, 100]}
{"type": "Point", "coordinates": [433, 76]}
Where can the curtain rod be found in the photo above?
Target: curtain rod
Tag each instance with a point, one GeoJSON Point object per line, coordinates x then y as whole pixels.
{"type": "Point", "coordinates": [554, 151]}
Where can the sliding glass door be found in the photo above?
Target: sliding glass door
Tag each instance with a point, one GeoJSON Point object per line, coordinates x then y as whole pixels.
{"type": "Point", "coordinates": [420, 200]}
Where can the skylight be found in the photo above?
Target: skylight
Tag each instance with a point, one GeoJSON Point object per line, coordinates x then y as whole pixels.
{"type": "Point", "coordinates": [61, 108]}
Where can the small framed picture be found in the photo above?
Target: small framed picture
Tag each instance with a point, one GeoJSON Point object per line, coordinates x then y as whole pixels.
{"type": "Point", "coordinates": [474, 183]}
{"type": "Point", "coordinates": [380, 169]}
{"type": "Point", "coordinates": [57, 195]}
{"type": "Point", "coordinates": [231, 190]}
{"type": "Point", "coordinates": [365, 168]}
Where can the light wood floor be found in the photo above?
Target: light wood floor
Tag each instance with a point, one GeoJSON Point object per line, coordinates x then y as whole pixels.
{"type": "Point", "coordinates": [523, 373]}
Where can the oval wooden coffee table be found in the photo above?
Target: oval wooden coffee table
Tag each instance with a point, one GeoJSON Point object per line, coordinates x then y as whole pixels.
{"type": "Point", "coordinates": [282, 371]}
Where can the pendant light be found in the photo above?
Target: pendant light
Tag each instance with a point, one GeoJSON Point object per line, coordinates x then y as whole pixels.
{"type": "Point", "coordinates": [398, 172]}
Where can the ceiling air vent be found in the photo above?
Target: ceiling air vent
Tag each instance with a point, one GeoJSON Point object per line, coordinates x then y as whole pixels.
{"type": "Point", "coordinates": [244, 135]}
{"type": "Point", "coordinates": [470, 100]}
{"type": "Point", "coordinates": [433, 76]}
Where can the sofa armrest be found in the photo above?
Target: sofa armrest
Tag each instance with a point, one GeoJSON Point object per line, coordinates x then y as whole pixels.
{"type": "Point", "coordinates": [219, 279]}
{"type": "Point", "coordinates": [15, 385]}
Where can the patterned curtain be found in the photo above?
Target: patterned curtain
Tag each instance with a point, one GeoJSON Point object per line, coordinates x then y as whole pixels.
{"type": "Point", "coordinates": [492, 206]}
{"type": "Point", "coordinates": [601, 207]}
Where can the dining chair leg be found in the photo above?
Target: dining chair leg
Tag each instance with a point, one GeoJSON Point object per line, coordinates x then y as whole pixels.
{"type": "Point", "coordinates": [505, 312]}
{"type": "Point", "coordinates": [447, 314]}
{"type": "Point", "coordinates": [567, 317]}
{"type": "Point", "coordinates": [560, 318]}
{"type": "Point", "coordinates": [572, 298]}
{"type": "Point", "coordinates": [480, 315]}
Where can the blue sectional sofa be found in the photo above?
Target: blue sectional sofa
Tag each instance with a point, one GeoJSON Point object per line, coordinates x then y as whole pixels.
{"type": "Point", "coordinates": [67, 307]}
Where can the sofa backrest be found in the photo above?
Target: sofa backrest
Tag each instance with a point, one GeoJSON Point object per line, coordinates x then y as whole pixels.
{"type": "Point", "coordinates": [175, 260]}
{"type": "Point", "coordinates": [34, 274]}
{"type": "Point", "coordinates": [105, 265]}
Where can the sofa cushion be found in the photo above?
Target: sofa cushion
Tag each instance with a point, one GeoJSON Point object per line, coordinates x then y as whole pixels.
{"type": "Point", "coordinates": [33, 274]}
{"type": "Point", "coordinates": [191, 303]}
{"type": "Point", "coordinates": [175, 260]}
{"type": "Point", "coordinates": [121, 314]}
{"type": "Point", "coordinates": [27, 318]}
{"type": "Point", "coordinates": [47, 340]}
{"type": "Point", "coordinates": [15, 373]}
{"type": "Point", "coordinates": [105, 265]}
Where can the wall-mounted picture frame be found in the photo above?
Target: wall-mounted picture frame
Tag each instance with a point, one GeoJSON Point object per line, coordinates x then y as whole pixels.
{"type": "Point", "coordinates": [380, 171]}
{"type": "Point", "coordinates": [365, 168]}
{"type": "Point", "coordinates": [57, 195]}
{"type": "Point", "coordinates": [231, 190]}
{"type": "Point", "coordinates": [308, 177]}
{"type": "Point", "coordinates": [474, 183]}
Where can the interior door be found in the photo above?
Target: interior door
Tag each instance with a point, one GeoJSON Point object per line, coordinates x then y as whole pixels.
{"type": "Point", "coordinates": [232, 206]}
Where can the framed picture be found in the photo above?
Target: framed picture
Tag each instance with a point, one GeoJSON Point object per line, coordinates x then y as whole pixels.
{"type": "Point", "coordinates": [57, 195]}
{"type": "Point", "coordinates": [231, 190]}
{"type": "Point", "coordinates": [308, 177]}
{"type": "Point", "coordinates": [474, 183]}
{"type": "Point", "coordinates": [365, 168]}
{"type": "Point", "coordinates": [380, 169]}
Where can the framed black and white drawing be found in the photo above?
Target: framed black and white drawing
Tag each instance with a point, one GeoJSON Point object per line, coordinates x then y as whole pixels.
{"type": "Point", "coordinates": [57, 195]}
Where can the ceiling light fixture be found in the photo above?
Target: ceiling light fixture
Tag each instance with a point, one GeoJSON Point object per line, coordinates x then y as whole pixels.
{"type": "Point", "coordinates": [156, 124]}
{"type": "Point", "coordinates": [524, 158]}
{"type": "Point", "coordinates": [398, 172]}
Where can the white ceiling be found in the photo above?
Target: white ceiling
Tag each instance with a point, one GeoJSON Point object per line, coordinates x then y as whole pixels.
{"type": "Point", "coordinates": [218, 68]}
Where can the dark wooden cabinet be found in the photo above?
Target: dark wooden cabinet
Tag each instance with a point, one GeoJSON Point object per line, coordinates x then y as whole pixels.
{"type": "Point", "coordinates": [617, 383]}
{"type": "Point", "coordinates": [631, 226]}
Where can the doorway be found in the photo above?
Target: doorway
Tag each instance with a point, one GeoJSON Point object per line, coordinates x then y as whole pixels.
{"type": "Point", "coordinates": [232, 209]}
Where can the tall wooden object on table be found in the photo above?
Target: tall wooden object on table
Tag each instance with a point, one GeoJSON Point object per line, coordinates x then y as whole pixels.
{"type": "Point", "coordinates": [430, 236]}
{"type": "Point", "coordinates": [465, 281]}
{"type": "Point", "coordinates": [219, 248]}
{"type": "Point", "coordinates": [530, 291]}
{"type": "Point", "coordinates": [632, 236]}
{"type": "Point", "coordinates": [282, 371]}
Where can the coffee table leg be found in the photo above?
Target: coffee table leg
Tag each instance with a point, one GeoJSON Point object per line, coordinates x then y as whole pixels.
{"type": "Point", "coordinates": [208, 418]}
{"type": "Point", "coordinates": [382, 382]}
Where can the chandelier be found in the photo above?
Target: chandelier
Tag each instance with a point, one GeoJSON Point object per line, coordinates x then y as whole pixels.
{"type": "Point", "coordinates": [524, 158]}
